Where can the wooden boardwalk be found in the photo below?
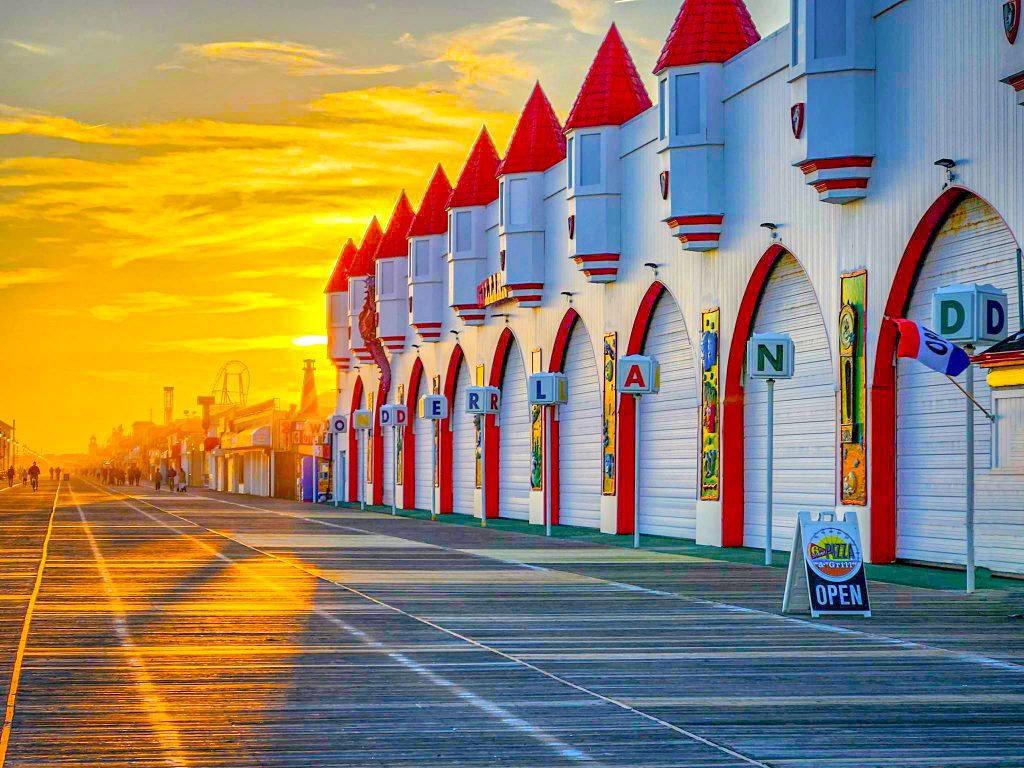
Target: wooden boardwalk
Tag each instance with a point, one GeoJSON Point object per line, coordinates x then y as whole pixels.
{"type": "Point", "coordinates": [208, 630]}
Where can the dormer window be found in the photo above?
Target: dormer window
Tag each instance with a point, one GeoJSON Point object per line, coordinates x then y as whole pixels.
{"type": "Point", "coordinates": [662, 108]}
{"type": "Point", "coordinates": [501, 204]}
{"type": "Point", "coordinates": [568, 161]}
{"type": "Point", "coordinates": [463, 231]}
{"type": "Point", "coordinates": [421, 258]}
{"type": "Point", "coordinates": [590, 159]}
{"type": "Point", "coordinates": [687, 104]}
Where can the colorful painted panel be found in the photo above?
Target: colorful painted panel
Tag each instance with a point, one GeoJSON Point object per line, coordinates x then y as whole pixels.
{"type": "Point", "coordinates": [610, 411]}
{"type": "Point", "coordinates": [400, 438]}
{"type": "Point", "coordinates": [369, 438]}
{"type": "Point", "coordinates": [435, 389]}
{"type": "Point", "coordinates": [536, 432]}
{"type": "Point", "coordinates": [853, 388]}
{"type": "Point", "coordinates": [710, 406]}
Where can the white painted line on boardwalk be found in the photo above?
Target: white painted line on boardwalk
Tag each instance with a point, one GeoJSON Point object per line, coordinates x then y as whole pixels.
{"type": "Point", "coordinates": [563, 749]}
{"type": "Point", "coordinates": [157, 712]}
{"type": "Point", "coordinates": [19, 656]}
{"type": "Point", "coordinates": [962, 656]}
{"type": "Point", "coordinates": [508, 718]}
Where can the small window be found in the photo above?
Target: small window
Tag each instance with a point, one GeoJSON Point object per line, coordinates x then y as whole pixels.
{"type": "Point", "coordinates": [450, 228]}
{"type": "Point", "coordinates": [1008, 439]}
{"type": "Point", "coordinates": [568, 162]}
{"type": "Point", "coordinates": [662, 109]}
{"type": "Point", "coordinates": [517, 202]}
{"type": "Point", "coordinates": [501, 204]}
{"type": "Point", "coordinates": [795, 30]}
{"type": "Point", "coordinates": [421, 258]}
{"type": "Point", "coordinates": [463, 233]}
{"type": "Point", "coordinates": [387, 277]}
{"type": "Point", "coordinates": [590, 159]}
{"type": "Point", "coordinates": [829, 29]}
{"type": "Point", "coordinates": [687, 104]}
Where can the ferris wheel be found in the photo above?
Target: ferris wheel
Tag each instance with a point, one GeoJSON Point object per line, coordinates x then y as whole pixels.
{"type": "Point", "coordinates": [231, 386]}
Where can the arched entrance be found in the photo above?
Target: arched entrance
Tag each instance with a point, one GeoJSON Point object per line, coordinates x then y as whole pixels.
{"type": "Point", "coordinates": [508, 445]}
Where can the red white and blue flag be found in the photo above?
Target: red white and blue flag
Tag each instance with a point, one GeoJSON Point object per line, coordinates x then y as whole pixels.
{"type": "Point", "coordinates": [930, 349]}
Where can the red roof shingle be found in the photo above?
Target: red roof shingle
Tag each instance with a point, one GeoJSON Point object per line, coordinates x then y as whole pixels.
{"type": "Point", "coordinates": [393, 244]}
{"type": "Point", "coordinates": [432, 218]}
{"type": "Point", "coordinates": [338, 281]}
{"type": "Point", "coordinates": [363, 263]}
{"type": "Point", "coordinates": [707, 32]}
{"type": "Point", "coordinates": [478, 182]}
{"type": "Point", "coordinates": [537, 142]}
{"type": "Point", "coordinates": [612, 92]}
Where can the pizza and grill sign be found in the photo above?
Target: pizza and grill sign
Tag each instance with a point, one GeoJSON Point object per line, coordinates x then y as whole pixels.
{"type": "Point", "coordinates": [833, 566]}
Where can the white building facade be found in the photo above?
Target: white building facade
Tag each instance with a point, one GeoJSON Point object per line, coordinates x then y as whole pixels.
{"type": "Point", "coordinates": [786, 184]}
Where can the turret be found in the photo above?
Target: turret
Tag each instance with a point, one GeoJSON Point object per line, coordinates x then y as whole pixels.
{"type": "Point", "coordinates": [476, 188]}
{"type": "Point", "coordinates": [691, 115]}
{"type": "Point", "coordinates": [392, 275]}
{"type": "Point", "coordinates": [362, 268]}
{"type": "Point", "coordinates": [832, 82]}
{"type": "Point", "coordinates": [611, 95]}
{"type": "Point", "coordinates": [427, 268]}
{"type": "Point", "coordinates": [537, 144]}
{"type": "Point", "coordinates": [336, 293]}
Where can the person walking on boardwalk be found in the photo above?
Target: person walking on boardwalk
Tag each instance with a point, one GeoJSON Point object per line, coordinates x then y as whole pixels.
{"type": "Point", "coordinates": [10, 476]}
{"type": "Point", "coordinates": [56, 473]}
{"type": "Point", "coordinates": [171, 474]}
{"type": "Point", "coordinates": [33, 472]}
{"type": "Point", "coordinates": [24, 476]}
{"type": "Point", "coordinates": [157, 478]}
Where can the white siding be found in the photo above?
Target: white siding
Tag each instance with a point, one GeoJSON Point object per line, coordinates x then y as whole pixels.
{"type": "Point", "coordinates": [805, 414]}
{"type": "Point", "coordinates": [973, 246]}
{"type": "Point", "coordinates": [424, 430]}
{"type": "Point", "coordinates": [579, 435]}
{"type": "Point", "coordinates": [464, 447]}
{"type": "Point", "coordinates": [668, 430]}
{"type": "Point", "coordinates": [514, 474]}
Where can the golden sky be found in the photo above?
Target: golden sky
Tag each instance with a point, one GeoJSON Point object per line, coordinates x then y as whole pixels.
{"type": "Point", "coordinates": [176, 178]}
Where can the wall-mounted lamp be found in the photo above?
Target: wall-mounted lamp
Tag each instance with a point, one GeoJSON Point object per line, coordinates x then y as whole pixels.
{"type": "Point", "coordinates": [949, 165]}
{"type": "Point", "coordinates": [456, 335]}
{"type": "Point", "coordinates": [653, 266]}
{"type": "Point", "coordinates": [505, 315]}
{"type": "Point", "coordinates": [772, 229]}
{"type": "Point", "coordinates": [568, 295]}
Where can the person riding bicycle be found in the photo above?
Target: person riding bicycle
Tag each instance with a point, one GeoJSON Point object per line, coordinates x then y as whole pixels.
{"type": "Point", "coordinates": [33, 472]}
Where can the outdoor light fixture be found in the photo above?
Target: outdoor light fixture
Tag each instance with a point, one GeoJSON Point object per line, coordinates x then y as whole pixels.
{"type": "Point", "coordinates": [772, 228]}
{"type": "Point", "coordinates": [504, 315]}
{"type": "Point", "coordinates": [568, 295]}
{"type": "Point", "coordinates": [456, 335]}
{"type": "Point", "coordinates": [949, 165]}
{"type": "Point", "coordinates": [652, 265]}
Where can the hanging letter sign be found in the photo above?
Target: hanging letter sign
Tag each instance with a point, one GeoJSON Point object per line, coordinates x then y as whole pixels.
{"type": "Point", "coordinates": [433, 407]}
{"type": "Point", "coordinates": [639, 375]}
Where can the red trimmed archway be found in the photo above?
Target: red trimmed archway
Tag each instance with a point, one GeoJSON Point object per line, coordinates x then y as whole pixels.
{"type": "Point", "coordinates": [555, 365]}
{"type": "Point", "coordinates": [882, 446]}
{"type": "Point", "coordinates": [353, 444]}
{"type": "Point", "coordinates": [492, 459]}
{"type": "Point", "coordinates": [446, 501]}
{"type": "Point", "coordinates": [409, 437]}
{"type": "Point", "coordinates": [732, 407]}
{"type": "Point", "coordinates": [625, 461]}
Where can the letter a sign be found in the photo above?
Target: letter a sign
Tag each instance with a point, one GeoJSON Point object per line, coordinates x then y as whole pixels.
{"type": "Point", "coordinates": [638, 375]}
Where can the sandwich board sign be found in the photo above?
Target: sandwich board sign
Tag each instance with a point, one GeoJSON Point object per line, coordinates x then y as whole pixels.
{"type": "Point", "coordinates": [827, 556]}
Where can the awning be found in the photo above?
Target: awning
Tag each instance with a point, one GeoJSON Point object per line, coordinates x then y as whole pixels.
{"type": "Point", "coordinates": [210, 443]}
{"type": "Point", "coordinates": [260, 437]}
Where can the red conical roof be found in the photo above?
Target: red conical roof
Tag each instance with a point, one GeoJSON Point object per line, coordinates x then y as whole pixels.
{"type": "Point", "coordinates": [363, 263]}
{"type": "Point", "coordinates": [612, 92]}
{"type": "Point", "coordinates": [707, 32]}
{"type": "Point", "coordinates": [478, 182]}
{"type": "Point", "coordinates": [394, 244]}
{"type": "Point", "coordinates": [432, 218]}
{"type": "Point", "coordinates": [537, 143]}
{"type": "Point", "coordinates": [338, 281]}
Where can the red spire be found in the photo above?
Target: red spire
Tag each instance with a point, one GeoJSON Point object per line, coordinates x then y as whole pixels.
{"type": "Point", "coordinates": [478, 182]}
{"type": "Point", "coordinates": [338, 281]}
{"type": "Point", "coordinates": [537, 143]}
{"type": "Point", "coordinates": [707, 32]}
{"type": "Point", "coordinates": [394, 244]}
{"type": "Point", "coordinates": [612, 92]}
{"type": "Point", "coordinates": [432, 219]}
{"type": "Point", "coordinates": [363, 263]}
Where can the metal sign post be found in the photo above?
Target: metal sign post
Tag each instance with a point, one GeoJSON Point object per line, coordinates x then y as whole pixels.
{"type": "Point", "coordinates": [435, 409]}
{"type": "Point", "coordinates": [483, 402]}
{"type": "Point", "coordinates": [547, 389]}
{"type": "Point", "coordinates": [637, 375]}
{"type": "Point", "coordinates": [969, 470]}
{"type": "Point", "coordinates": [770, 356]}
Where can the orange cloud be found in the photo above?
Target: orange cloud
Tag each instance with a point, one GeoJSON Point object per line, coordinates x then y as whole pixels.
{"type": "Point", "coordinates": [293, 58]}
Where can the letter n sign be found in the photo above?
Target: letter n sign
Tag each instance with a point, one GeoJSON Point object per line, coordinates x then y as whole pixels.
{"type": "Point", "coordinates": [638, 375]}
{"type": "Point", "coordinates": [770, 356]}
